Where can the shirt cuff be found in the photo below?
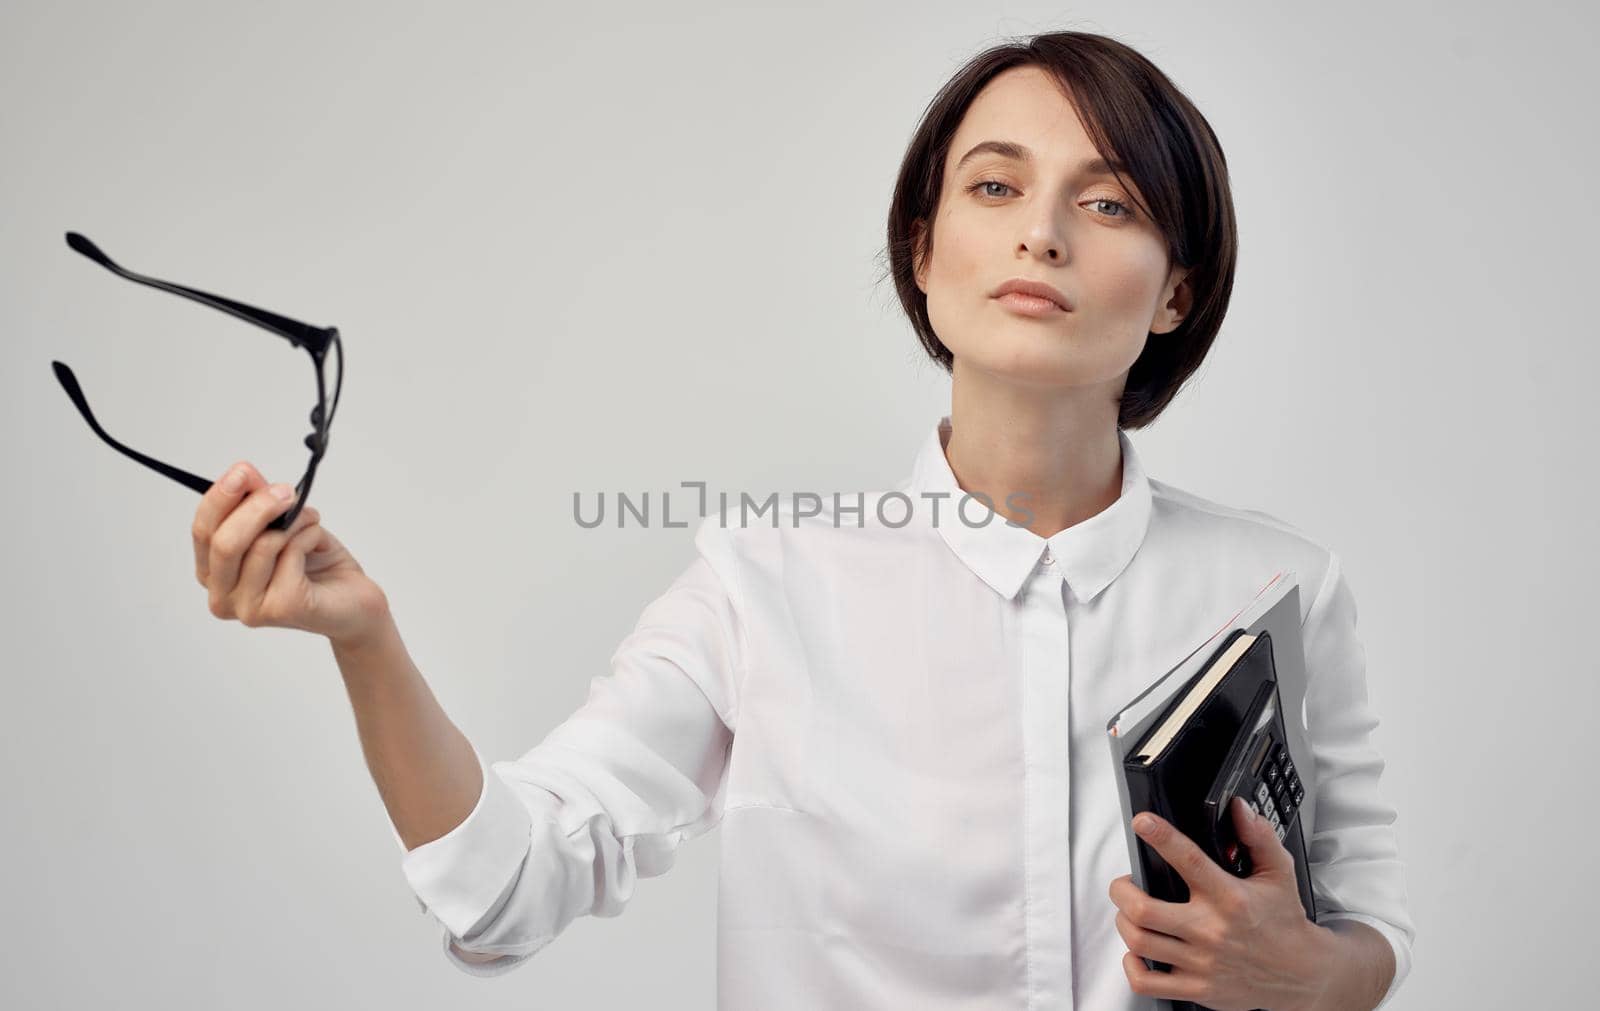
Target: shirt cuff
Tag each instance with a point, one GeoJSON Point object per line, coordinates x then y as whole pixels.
{"type": "Point", "coordinates": [497, 967]}
{"type": "Point", "coordinates": [1396, 939]}
{"type": "Point", "coordinates": [421, 906]}
{"type": "Point", "coordinates": [462, 874]}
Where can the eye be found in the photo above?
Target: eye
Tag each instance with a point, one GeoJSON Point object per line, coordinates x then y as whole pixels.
{"type": "Point", "coordinates": [987, 182]}
{"type": "Point", "coordinates": [1123, 210]}
{"type": "Point", "coordinates": [1114, 203]}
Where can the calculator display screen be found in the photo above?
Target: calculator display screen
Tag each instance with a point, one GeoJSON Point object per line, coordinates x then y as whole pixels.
{"type": "Point", "coordinates": [1260, 756]}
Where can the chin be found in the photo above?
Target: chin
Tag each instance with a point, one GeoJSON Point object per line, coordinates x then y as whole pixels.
{"type": "Point", "coordinates": [1031, 362]}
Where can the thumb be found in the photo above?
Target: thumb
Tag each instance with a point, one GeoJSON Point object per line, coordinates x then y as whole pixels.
{"type": "Point", "coordinates": [292, 558]}
{"type": "Point", "coordinates": [1257, 833]}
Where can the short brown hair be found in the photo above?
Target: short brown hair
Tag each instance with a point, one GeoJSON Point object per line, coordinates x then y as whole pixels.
{"type": "Point", "coordinates": [1132, 112]}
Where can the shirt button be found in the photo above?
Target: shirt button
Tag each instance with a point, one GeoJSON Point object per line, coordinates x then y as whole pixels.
{"type": "Point", "coordinates": [1049, 558]}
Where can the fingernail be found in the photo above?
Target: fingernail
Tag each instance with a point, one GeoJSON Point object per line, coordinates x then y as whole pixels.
{"type": "Point", "coordinates": [282, 492]}
{"type": "Point", "coordinates": [234, 481]}
{"type": "Point", "coordinates": [1143, 825]}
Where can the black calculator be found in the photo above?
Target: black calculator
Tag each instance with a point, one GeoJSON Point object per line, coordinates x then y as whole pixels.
{"type": "Point", "coordinates": [1259, 769]}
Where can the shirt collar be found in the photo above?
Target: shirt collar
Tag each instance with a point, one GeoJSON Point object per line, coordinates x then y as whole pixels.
{"type": "Point", "coordinates": [1090, 554]}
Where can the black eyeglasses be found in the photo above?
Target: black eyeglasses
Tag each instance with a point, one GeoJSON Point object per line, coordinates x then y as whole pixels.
{"type": "Point", "coordinates": [315, 340]}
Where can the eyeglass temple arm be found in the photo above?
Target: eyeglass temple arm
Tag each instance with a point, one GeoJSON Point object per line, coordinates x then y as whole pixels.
{"type": "Point", "coordinates": [183, 477]}
{"type": "Point", "coordinates": [313, 338]}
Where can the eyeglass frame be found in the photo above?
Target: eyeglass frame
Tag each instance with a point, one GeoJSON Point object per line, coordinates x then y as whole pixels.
{"type": "Point", "coordinates": [315, 340]}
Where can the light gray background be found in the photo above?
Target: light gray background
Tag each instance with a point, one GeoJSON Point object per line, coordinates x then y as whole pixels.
{"type": "Point", "coordinates": [592, 247]}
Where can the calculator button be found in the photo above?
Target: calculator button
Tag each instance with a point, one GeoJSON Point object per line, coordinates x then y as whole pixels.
{"type": "Point", "coordinates": [1273, 819]}
{"type": "Point", "coordinates": [1281, 832]}
{"type": "Point", "coordinates": [1271, 808]}
{"type": "Point", "coordinates": [1272, 774]}
{"type": "Point", "coordinates": [1294, 781]}
{"type": "Point", "coordinates": [1261, 792]}
{"type": "Point", "coordinates": [1299, 793]}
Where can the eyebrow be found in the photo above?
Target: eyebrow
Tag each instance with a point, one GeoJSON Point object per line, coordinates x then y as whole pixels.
{"type": "Point", "coordinates": [1017, 152]}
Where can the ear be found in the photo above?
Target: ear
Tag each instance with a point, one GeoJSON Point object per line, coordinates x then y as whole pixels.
{"type": "Point", "coordinates": [1177, 301]}
{"type": "Point", "coordinates": [919, 231]}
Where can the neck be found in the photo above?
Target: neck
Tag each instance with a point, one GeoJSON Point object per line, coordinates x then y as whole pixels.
{"type": "Point", "coordinates": [1057, 456]}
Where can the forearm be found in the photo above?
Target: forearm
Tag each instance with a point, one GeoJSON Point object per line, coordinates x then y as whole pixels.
{"type": "Point", "coordinates": [423, 766]}
{"type": "Point", "coordinates": [1360, 967]}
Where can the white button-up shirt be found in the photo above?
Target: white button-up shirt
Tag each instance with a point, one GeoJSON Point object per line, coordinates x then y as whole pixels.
{"type": "Point", "coordinates": [897, 717]}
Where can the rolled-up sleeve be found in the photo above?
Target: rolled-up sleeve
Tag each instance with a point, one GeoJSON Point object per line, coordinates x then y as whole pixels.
{"type": "Point", "coordinates": [609, 794]}
{"type": "Point", "coordinates": [1356, 870]}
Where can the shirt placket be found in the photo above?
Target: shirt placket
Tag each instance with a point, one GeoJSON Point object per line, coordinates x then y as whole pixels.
{"type": "Point", "coordinates": [1045, 720]}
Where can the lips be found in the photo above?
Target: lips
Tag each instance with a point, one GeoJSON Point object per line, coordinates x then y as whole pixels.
{"type": "Point", "coordinates": [1038, 289]}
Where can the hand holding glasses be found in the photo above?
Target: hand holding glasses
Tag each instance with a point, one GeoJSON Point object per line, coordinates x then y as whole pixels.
{"type": "Point", "coordinates": [315, 340]}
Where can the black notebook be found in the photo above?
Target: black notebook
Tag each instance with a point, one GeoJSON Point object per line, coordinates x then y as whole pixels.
{"type": "Point", "coordinates": [1221, 736]}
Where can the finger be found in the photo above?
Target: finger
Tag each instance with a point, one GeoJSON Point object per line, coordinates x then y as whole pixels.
{"type": "Point", "coordinates": [242, 526]}
{"type": "Point", "coordinates": [1174, 985]}
{"type": "Point", "coordinates": [260, 559]}
{"type": "Point", "coordinates": [290, 573]}
{"type": "Point", "coordinates": [1124, 892]}
{"type": "Point", "coordinates": [215, 506]}
{"type": "Point", "coordinates": [1267, 851]}
{"type": "Point", "coordinates": [1196, 867]}
{"type": "Point", "coordinates": [1152, 943]}
{"type": "Point", "coordinates": [1145, 910]}
{"type": "Point", "coordinates": [289, 577]}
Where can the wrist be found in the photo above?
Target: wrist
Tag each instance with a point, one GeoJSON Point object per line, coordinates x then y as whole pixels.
{"type": "Point", "coordinates": [377, 633]}
{"type": "Point", "coordinates": [1324, 963]}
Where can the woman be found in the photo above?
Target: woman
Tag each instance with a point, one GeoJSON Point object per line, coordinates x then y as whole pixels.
{"type": "Point", "coordinates": [895, 711]}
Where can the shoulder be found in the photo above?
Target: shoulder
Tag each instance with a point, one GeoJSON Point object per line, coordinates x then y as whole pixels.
{"type": "Point", "coordinates": [1184, 507]}
{"type": "Point", "coordinates": [1200, 526]}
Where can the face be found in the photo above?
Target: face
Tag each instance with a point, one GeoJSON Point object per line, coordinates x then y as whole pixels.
{"type": "Point", "coordinates": [1044, 218]}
